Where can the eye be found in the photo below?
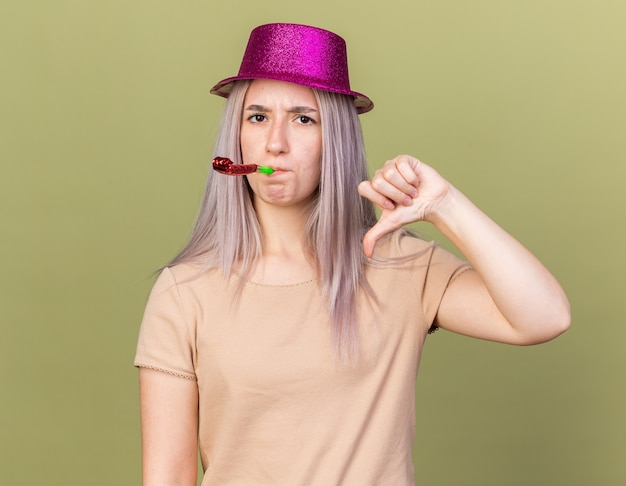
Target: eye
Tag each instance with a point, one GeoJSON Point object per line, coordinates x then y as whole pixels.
{"type": "Point", "coordinates": [304, 120]}
{"type": "Point", "coordinates": [257, 118]}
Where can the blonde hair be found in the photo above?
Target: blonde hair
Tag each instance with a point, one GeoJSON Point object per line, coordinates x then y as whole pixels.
{"type": "Point", "coordinates": [227, 233]}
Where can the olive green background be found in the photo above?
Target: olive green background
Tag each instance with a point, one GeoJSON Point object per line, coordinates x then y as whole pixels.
{"type": "Point", "coordinates": [105, 138]}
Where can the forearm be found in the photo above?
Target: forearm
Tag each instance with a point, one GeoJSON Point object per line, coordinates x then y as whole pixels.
{"type": "Point", "coordinates": [523, 290]}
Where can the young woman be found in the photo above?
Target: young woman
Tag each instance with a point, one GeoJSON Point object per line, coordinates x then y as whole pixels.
{"type": "Point", "coordinates": [284, 340]}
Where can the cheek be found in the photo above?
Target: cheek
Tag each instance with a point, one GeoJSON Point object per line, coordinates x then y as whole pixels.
{"type": "Point", "coordinates": [247, 141]}
{"type": "Point", "coordinates": [245, 148]}
{"type": "Point", "coordinates": [313, 176]}
{"type": "Point", "coordinates": [311, 160]}
{"type": "Point", "coordinates": [314, 148]}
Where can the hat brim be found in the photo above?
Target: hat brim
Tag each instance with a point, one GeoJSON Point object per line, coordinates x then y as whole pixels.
{"type": "Point", "coordinates": [362, 103]}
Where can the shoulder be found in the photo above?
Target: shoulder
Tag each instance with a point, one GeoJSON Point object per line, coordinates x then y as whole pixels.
{"type": "Point", "coordinates": [190, 274]}
{"type": "Point", "coordinates": [185, 279]}
{"type": "Point", "coordinates": [185, 271]}
{"type": "Point", "coordinates": [402, 244]}
{"type": "Point", "coordinates": [403, 249]}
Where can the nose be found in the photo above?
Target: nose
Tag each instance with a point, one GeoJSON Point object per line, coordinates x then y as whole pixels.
{"type": "Point", "coordinates": [277, 138]}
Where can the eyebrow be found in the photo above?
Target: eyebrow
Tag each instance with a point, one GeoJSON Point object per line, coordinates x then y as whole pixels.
{"type": "Point", "coordinates": [295, 109]}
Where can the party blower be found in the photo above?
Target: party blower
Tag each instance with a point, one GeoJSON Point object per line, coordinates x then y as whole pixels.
{"type": "Point", "coordinates": [224, 165]}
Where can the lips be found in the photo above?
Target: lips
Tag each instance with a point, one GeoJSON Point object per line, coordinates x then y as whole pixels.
{"type": "Point", "coordinates": [278, 170]}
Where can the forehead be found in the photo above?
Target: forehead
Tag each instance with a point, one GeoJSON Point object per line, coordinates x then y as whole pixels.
{"type": "Point", "coordinates": [268, 91]}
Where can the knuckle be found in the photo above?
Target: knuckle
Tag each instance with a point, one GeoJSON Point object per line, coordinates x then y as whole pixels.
{"type": "Point", "coordinates": [410, 176]}
{"type": "Point", "coordinates": [389, 172]}
{"type": "Point", "coordinates": [377, 183]}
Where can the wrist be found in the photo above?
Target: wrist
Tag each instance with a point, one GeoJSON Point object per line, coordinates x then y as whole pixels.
{"type": "Point", "coordinates": [447, 209]}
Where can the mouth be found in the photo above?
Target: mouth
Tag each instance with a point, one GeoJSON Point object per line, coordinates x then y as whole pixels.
{"type": "Point", "coordinates": [278, 170]}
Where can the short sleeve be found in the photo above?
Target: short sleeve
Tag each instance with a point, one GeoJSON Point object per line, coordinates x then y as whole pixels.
{"type": "Point", "coordinates": [443, 268]}
{"type": "Point", "coordinates": [165, 342]}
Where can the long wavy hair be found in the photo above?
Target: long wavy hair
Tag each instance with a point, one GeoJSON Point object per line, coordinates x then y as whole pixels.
{"type": "Point", "coordinates": [227, 234]}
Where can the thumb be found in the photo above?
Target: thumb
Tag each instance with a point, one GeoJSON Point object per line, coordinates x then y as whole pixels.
{"type": "Point", "coordinates": [375, 233]}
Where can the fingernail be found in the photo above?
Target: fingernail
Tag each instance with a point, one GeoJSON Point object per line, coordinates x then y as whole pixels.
{"type": "Point", "coordinates": [407, 201]}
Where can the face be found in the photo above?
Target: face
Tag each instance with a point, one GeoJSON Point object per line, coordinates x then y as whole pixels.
{"type": "Point", "coordinates": [281, 128]}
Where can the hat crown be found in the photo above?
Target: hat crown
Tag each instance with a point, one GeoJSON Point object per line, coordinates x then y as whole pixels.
{"type": "Point", "coordinates": [299, 54]}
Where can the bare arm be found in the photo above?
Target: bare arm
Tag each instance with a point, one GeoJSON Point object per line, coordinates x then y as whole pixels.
{"type": "Point", "coordinates": [169, 429]}
{"type": "Point", "coordinates": [511, 297]}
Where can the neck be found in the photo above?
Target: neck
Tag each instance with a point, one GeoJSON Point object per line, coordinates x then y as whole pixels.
{"type": "Point", "coordinates": [282, 228]}
{"type": "Point", "coordinates": [285, 258]}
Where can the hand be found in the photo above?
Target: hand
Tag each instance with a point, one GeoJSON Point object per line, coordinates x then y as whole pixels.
{"type": "Point", "coordinates": [406, 190]}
